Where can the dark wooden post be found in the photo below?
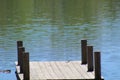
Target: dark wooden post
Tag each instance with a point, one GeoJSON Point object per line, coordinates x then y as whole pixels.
{"type": "Point", "coordinates": [84, 51]}
{"type": "Point", "coordinates": [26, 72]}
{"type": "Point", "coordinates": [90, 57]}
{"type": "Point", "coordinates": [21, 52]}
{"type": "Point", "coordinates": [19, 44]}
{"type": "Point", "coordinates": [97, 65]}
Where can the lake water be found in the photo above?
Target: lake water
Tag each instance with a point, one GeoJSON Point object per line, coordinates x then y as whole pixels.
{"type": "Point", "coordinates": [52, 29]}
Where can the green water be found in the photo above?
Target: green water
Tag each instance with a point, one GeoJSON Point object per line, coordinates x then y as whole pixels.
{"type": "Point", "coordinates": [52, 29]}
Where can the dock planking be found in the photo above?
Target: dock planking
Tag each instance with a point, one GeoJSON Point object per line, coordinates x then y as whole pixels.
{"type": "Point", "coordinates": [58, 70]}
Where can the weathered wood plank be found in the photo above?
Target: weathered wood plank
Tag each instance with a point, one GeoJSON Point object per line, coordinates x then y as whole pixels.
{"type": "Point", "coordinates": [35, 70]}
{"type": "Point", "coordinates": [75, 71]}
{"type": "Point", "coordinates": [79, 67]}
{"type": "Point", "coordinates": [65, 67]}
{"type": "Point", "coordinates": [58, 70]}
{"type": "Point", "coordinates": [87, 74]}
{"type": "Point", "coordinates": [63, 70]}
{"type": "Point", "coordinates": [49, 70]}
{"type": "Point", "coordinates": [44, 71]}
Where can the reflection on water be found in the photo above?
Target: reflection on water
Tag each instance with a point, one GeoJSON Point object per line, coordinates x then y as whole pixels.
{"type": "Point", "coordinates": [52, 30]}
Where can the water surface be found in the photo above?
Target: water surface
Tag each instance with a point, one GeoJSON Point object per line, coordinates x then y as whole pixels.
{"type": "Point", "coordinates": [52, 29]}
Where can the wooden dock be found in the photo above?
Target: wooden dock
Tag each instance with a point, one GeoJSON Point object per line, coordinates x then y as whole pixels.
{"type": "Point", "coordinates": [59, 70]}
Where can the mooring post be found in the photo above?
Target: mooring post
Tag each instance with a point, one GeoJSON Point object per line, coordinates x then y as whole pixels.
{"type": "Point", "coordinates": [84, 51]}
{"type": "Point", "coordinates": [26, 72]}
{"type": "Point", "coordinates": [90, 57]}
{"type": "Point", "coordinates": [21, 52]}
{"type": "Point", "coordinates": [19, 44]}
{"type": "Point", "coordinates": [97, 65]}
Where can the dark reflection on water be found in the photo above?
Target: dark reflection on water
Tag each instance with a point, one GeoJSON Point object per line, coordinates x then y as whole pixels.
{"type": "Point", "coordinates": [52, 30]}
